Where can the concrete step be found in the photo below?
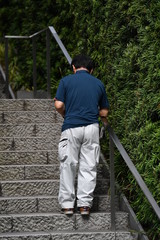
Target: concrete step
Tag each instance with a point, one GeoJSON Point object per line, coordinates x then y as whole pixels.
{"type": "Point", "coordinates": [25, 117]}
{"type": "Point", "coordinates": [26, 105]}
{"type": "Point", "coordinates": [14, 158]}
{"type": "Point", "coordinates": [41, 204]}
{"type": "Point", "coordinates": [41, 187]}
{"type": "Point", "coordinates": [57, 221]}
{"type": "Point", "coordinates": [29, 157]}
{"type": "Point", "coordinates": [69, 235]}
{"type": "Point", "coordinates": [28, 144]}
{"type": "Point", "coordinates": [26, 172]}
{"type": "Point", "coordinates": [29, 188]}
{"type": "Point", "coordinates": [29, 204]}
{"type": "Point", "coordinates": [35, 171]}
{"type": "Point", "coordinates": [30, 130]}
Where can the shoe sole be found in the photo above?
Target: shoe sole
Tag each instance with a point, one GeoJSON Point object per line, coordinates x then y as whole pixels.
{"type": "Point", "coordinates": [84, 213]}
{"type": "Point", "coordinates": [68, 213]}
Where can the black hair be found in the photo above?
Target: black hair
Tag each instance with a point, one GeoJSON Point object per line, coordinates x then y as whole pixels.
{"type": "Point", "coordinates": [83, 61]}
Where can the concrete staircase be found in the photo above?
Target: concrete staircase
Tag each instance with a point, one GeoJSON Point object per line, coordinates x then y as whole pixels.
{"type": "Point", "coordinates": [29, 180]}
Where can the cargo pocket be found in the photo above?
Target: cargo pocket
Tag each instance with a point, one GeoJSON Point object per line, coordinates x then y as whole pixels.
{"type": "Point", "coordinates": [62, 149]}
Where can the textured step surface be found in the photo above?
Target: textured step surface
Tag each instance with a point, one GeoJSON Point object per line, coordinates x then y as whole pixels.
{"type": "Point", "coordinates": [47, 204]}
{"type": "Point", "coordinates": [29, 188]}
{"type": "Point", "coordinates": [24, 117]}
{"type": "Point", "coordinates": [29, 157]}
{"type": "Point", "coordinates": [53, 222]}
{"type": "Point", "coordinates": [20, 172]}
{"type": "Point", "coordinates": [36, 171]}
{"type": "Point", "coordinates": [26, 105]}
{"type": "Point", "coordinates": [73, 235]}
{"type": "Point", "coordinates": [30, 130]}
{"type": "Point", "coordinates": [40, 187]}
{"type": "Point", "coordinates": [28, 144]}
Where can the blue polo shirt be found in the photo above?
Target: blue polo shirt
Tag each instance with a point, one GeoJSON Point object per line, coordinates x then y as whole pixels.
{"type": "Point", "coordinates": [83, 96]}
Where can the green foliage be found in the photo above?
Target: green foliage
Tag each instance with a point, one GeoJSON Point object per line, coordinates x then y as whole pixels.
{"type": "Point", "coordinates": [123, 39]}
{"type": "Point", "coordinates": [2, 54]}
{"type": "Point", "coordinates": [25, 18]}
{"type": "Point", "coordinates": [15, 76]}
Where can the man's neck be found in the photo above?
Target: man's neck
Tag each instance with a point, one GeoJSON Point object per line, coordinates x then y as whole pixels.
{"type": "Point", "coordinates": [80, 69]}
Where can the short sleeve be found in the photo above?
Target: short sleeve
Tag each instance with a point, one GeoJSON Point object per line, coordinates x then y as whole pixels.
{"type": "Point", "coordinates": [60, 94]}
{"type": "Point", "coordinates": [104, 103]}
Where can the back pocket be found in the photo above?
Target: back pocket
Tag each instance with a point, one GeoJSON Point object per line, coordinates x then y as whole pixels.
{"type": "Point", "coordinates": [62, 149]}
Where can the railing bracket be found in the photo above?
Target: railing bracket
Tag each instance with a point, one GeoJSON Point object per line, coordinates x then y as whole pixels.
{"type": "Point", "coordinates": [3, 117]}
{"type": "Point", "coordinates": [13, 144]}
{"type": "Point", "coordinates": [24, 106]}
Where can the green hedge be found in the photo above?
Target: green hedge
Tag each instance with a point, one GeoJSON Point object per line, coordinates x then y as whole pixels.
{"type": "Point", "coordinates": [123, 39]}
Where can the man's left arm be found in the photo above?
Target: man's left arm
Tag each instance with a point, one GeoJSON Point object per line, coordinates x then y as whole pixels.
{"type": "Point", "coordinates": [103, 113]}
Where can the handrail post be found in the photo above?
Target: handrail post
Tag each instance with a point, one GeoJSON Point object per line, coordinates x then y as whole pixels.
{"type": "Point", "coordinates": [6, 68]}
{"type": "Point", "coordinates": [48, 63]}
{"type": "Point", "coordinates": [34, 67]}
{"type": "Point", "coordinates": [50, 31]}
{"type": "Point", "coordinates": [112, 184]}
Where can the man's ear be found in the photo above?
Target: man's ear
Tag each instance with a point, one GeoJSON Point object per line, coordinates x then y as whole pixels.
{"type": "Point", "coordinates": [91, 71]}
{"type": "Point", "coordinates": [74, 69]}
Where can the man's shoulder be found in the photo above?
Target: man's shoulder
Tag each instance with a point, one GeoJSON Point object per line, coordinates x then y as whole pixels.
{"type": "Point", "coordinates": [86, 76]}
{"type": "Point", "coordinates": [70, 76]}
{"type": "Point", "coordinates": [97, 80]}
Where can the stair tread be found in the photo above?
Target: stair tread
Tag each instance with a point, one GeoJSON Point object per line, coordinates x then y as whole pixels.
{"type": "Point", "coordinates": [61, 231]}
{"type": "Point", "coordinates": [27, 124]}
{"type": "Point", "coordinates": [20, 104]}
{"type": "Point", "coordinates": [41, 180]}
{"type": "Point", "coordinates": [30, 180]}
{"type": "Point", "coordinates": [31, 137]}
{"type": "Point", "coordinates": [30, 165]}
{"type": "Point", "coordinates": [45, 196]}
{"type": "Point", "coordinates": [93, 214]}
{"type": "Point", "coordinates": [28, 111]}
{"type": "Point", "coordinates": [30, 151]}
{"type": "Point", "coordinates": [26, 197]}
{"type": "Point", "coordinates": [58, 221]}
{"type": "Point", "coordinates": [125, 235]}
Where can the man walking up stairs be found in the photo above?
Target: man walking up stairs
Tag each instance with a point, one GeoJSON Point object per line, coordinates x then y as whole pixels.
{"type": "Point", "coordinates": [29, 180]}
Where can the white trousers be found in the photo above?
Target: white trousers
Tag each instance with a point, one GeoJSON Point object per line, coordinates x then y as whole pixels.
{"type": "Point", "coordinates": [78, 154]}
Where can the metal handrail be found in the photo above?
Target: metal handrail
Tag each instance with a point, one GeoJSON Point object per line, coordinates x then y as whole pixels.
{"type": "Point", "coordinates": [58, 40]}
{"type": "Point", "coordinates": [114, 139]}
{"type": "Point", "coordinates": [49, 30]}
{"type": "Point", "coordinates": [4, 79]}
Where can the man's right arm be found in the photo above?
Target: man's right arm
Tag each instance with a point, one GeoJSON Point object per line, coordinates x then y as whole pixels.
{"type": "Point", "coordinates": [60, 107]}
